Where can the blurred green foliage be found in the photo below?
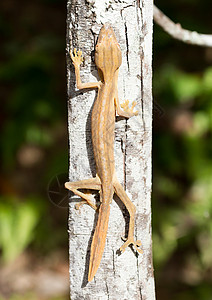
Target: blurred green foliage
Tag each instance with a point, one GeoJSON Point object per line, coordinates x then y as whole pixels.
{"type": "Point", "coordinates": [182, 159]}
{"type": "Point", "coordinates": [33, 127]}
{"type": "Point", "coordinates": [17, 223]}
{"type": "Point", "coordinates": [33, 107]}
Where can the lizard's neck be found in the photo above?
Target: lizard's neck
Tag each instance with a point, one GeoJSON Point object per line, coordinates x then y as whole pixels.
{"type": "Point", "coordinates": [110, 78]}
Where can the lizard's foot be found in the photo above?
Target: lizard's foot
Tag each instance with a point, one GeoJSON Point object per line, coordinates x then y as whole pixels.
{"type": "Point", "coordinates": [131, 241]}
{"type": "Point", "coordinates": [77, 57]}
{"type": "Point", "coordinates": [87, 200]}
{"type": "Point", "coordinates": [128, 109]}
{"type": "Point", "coordinates": [81, 203]}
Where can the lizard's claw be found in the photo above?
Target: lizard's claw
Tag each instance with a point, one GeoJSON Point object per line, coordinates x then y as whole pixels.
{"type": "Point", "coordinates": [130, 241]}
{"type": "Point", "coordinates": [126, 108]}
{"type": "Point", "coordinates": [124, 238]}
{"type": "Point", "coordinates": [77, 57]}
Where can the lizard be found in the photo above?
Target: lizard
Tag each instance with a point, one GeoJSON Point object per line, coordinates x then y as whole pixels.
{"type": "Point", "coordinates": [108, 58]}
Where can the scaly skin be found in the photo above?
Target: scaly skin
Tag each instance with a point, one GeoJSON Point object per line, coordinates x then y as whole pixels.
{"type": "Point", "coordinates": [108, 60]}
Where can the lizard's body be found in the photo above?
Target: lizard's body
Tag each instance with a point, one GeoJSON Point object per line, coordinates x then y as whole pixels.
{"type": "Point", "coordinates": [108, 60]}
{"type": "Point", "coordinates": [102, 128]}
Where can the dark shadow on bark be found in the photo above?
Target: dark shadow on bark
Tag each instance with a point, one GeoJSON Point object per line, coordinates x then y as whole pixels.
{"type": "Point", "coordinates": [87, 259]}
{"type": "Point", "coordinates": [89, 141]}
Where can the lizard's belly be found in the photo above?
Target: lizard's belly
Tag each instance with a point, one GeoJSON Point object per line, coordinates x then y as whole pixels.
{"type": "Point", "coordinates": [102, 127]}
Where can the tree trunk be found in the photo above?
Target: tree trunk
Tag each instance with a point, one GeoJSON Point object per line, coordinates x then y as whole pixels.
{"type": "Point", "coordinates": [126, 276]}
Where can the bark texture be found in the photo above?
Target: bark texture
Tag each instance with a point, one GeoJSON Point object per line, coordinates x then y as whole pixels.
{"type": "Point", "coordinates": [126, 276]}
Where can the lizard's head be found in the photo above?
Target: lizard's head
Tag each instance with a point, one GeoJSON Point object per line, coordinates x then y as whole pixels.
{"type": "Point", "coordinates": [107, 52]}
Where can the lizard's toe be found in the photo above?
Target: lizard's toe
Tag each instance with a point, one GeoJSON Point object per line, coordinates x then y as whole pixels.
{"type": "Point", "coordinates": [131, 241]}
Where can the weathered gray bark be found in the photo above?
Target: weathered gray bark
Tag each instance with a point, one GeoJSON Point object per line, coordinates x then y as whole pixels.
{"type": "Point", "coordinates": [126, 276]}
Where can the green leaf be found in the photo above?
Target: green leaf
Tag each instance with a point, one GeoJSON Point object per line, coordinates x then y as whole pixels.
{"type": "Point", "coordinates": [185, 86]}
{"type": "Point", "coordinates": [17, 223]}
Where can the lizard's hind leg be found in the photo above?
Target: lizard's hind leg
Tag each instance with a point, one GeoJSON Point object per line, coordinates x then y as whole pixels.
{"type": "Point", "coordinates": [92, 184]}
{"type": "Point", "coordinates": [120, 192]}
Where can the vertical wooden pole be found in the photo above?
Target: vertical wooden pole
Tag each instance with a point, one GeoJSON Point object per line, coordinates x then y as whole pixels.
{"type": "Point", "coordinates": [126, 276]}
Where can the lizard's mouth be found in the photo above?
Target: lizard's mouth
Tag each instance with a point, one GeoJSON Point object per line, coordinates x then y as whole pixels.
{"type": "Point", "coordinates": [107, 26]}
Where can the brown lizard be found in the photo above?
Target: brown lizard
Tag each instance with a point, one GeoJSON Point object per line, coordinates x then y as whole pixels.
{"type": "Point", "coordinates": [108, 59]}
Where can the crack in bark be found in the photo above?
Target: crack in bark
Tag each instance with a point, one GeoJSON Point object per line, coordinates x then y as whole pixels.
{"type": "Point", "coordinates": [123, 150]}
{"type": "Point", "coordinates": [107, 289]}
{"type": "Point", "coordinates": [114, 269]}
{"type": "Point", "coordinates": [142, 88]}
{"type": "Point", "coordinates": [127, 46]}
{"type": "Point", "coordinates": [140, 291]}
{"type": "Point", "coordinates": [94, 37]}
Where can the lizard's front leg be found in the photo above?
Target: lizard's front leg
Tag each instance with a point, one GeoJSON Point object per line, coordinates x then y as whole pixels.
{"type": "Point", "coordinates": [77, 60]}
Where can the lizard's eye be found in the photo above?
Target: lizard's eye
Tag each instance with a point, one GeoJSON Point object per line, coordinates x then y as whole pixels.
{"type": "Point", "coordinates": [97, 48]}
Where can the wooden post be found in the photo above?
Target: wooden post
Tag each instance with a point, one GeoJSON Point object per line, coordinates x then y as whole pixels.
{"type": "Point", "coordinates": [126, 276]}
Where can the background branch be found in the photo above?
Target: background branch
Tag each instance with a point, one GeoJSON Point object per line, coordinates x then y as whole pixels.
{"type": "Point", "coordinates": [177, 32]}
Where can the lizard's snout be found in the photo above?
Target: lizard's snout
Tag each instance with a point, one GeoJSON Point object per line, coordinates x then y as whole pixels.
{"type": "Point", "coordinates": [105, 32]}
{"type": "Point", "coordinates": [107, 26]}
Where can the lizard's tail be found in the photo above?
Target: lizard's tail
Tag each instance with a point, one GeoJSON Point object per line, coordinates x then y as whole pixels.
{"type": "Point", "coordinates": [99, 238]}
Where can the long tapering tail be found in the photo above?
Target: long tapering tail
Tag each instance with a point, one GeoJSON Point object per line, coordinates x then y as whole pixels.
{"type": "Point", "coordinates": [99, 238]}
